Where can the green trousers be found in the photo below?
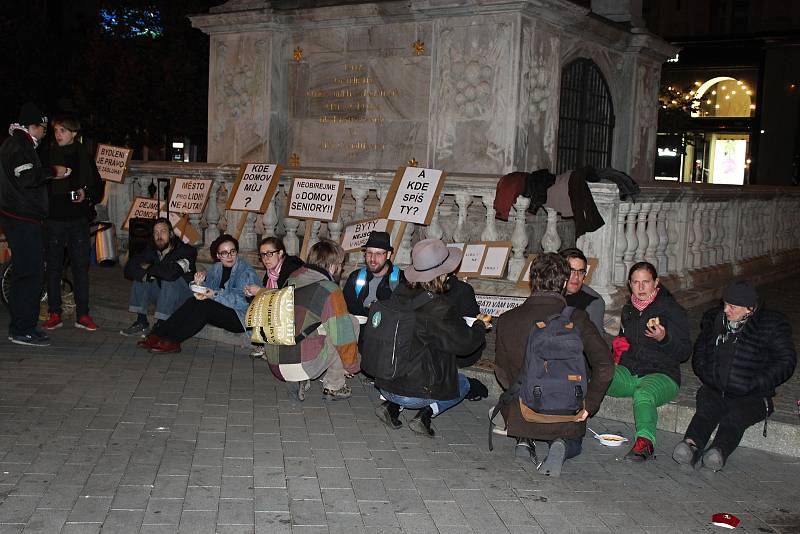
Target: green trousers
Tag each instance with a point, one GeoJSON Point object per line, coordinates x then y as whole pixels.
{"type": "Point", "coordinates": [648, 392]}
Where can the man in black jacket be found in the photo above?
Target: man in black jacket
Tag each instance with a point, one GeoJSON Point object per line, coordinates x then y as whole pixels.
{"type": "Point", "coordinates": [742, 354]}
{"type": "Point", "coordinates": [161, 275]}
{"type": "Point", "coordinates": [23, 207]}
{"type": "Point", "coordinates": [376, 280]}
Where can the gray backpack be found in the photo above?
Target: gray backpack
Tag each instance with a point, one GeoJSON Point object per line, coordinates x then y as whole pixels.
{"type": "Point", "coordinates": [552, 384]}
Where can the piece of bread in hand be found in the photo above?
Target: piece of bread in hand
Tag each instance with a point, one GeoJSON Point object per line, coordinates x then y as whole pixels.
{"type": "Point", "coordinates": [653, 321]}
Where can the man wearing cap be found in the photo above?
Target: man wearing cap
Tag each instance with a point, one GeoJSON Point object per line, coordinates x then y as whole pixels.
{"type": "Point", "coordinates": [742, 354]}
{"type": "Point", "coordinates": [430, 382]}
{"type": "Point", "coordinates": [376, 280]}
{"type": "Point", "coordinates": [23, 207]}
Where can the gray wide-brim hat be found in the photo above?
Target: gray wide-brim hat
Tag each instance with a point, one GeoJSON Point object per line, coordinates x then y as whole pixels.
{"type": "Point", "coordinates": [431, 258]}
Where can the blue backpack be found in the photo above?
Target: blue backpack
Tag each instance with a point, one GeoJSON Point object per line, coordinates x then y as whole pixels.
{"type": "Point", "coordinates": [552, 384]}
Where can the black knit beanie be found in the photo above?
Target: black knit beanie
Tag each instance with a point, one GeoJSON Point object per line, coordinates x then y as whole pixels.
{"type": "Point", "coordinates": [29, 113]}
{"type": "Point", "coordinates": [741, 293]}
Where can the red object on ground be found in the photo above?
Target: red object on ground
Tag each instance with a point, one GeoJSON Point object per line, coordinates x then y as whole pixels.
{"type": "Point", "coordinates": [619, 345]}
{"type": "Point", "coordinates": [725, 520]}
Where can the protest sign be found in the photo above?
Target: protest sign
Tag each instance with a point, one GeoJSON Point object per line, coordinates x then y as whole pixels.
{"type": "Point", "coordinates": [182, 228]}
{"type": "Point", "coordinates": [413, 194]}
{"type": "Point", "coordinates": [356, 234]}
{"type": "Point", "coordinates": [314, 199]}
{"type": "Point", "coordinates": [189, 195]}
{"type": "Point", "coordinates": [591, 267]}
{"type": "Point", "coordinates": [112, 162]}
{"type": "Point", "coordinates": [524, 279]}
{"type": "Point", "coordinates": [473, 257]}
{"type": "Point", "coordinates": [495, 259]}
{"type": "Point", "coordinates": [496, 305]}
{"type": "Point", "coordinates": [142, 208]}
{"type": "Point", "coordinates": [254, 187]}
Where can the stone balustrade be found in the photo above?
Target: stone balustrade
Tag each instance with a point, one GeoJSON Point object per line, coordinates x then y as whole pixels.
{"type": "Point", "coordinates": [693, 234]}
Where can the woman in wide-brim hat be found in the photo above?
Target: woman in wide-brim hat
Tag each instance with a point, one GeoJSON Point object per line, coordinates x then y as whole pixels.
{"type": "Point", "coordinates": [432, 383]}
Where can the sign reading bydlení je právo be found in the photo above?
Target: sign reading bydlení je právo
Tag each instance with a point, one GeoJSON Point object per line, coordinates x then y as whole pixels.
{"type": "Point", "coordinates": [413, 194]}
{"type": "Point", "coordinates": [255, 186]}
{"type": "Point", "coordinates": [315, 199]}
{"type": "Point", "coordinates": [112, 162]}
{"type": "Point", "coordinates": [189, 195]}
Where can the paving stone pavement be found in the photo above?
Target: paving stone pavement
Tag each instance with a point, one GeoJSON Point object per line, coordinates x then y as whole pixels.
{"type": "Point", "coordinates": [99, 436]}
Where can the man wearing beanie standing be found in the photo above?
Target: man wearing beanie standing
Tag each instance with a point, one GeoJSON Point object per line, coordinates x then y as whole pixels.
{"type": "Point", "coordinates": [742, 354]}
{"type": "Point", "coordinates": [23, 207]}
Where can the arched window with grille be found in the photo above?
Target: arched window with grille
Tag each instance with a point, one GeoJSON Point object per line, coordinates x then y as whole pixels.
{"type": "Point", "coordinates": [586, 117]}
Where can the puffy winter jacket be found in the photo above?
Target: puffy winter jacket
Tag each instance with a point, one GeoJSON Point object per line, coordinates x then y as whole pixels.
{"type": "Point", "coordinates": [763, 357]}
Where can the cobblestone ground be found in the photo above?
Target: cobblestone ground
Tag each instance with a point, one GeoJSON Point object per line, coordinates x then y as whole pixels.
{"type": "Point", "coordinates": [99, 436]}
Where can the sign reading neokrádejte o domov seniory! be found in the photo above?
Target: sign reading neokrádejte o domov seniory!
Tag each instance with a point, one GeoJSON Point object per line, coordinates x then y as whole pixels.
{"type": "Point", "coordinates": [112, 162]}
{"type": "Point", "coordinates": [371, 112]}
{"type": "Point", "coordinates": [189, 195]}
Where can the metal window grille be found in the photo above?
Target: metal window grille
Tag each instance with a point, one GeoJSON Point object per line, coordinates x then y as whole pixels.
{"type": "Point", "coordinates": [586, 117]}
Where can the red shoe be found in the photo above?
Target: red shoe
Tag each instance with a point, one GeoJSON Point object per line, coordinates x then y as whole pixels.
{"type": "Point", "coordinates": [53, 322]}
{"type": "Point", "coordinates": [86, 322]}
{"type": "Point", "coordinates": [164, 346]}
{"type": "Point", "coordinates": [150, 341]}
{"type": "Point", "coordinates": [641, 451]}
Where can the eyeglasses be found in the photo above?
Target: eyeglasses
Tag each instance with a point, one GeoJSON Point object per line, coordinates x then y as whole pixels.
{"type": "Point", "coordinates": [227, 253]}
{"type": "Point", "coordinates": [580, 273]}
{"type": "Point", "coordinates": [268, 254]}
{"type": "Point", "coordinates": [381, 253]}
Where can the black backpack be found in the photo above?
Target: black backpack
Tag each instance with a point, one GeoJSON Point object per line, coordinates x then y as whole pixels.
{"type": "Point", "coordinates": [552, 384]}
{"type": "Point", "coordinates": [389, 334]}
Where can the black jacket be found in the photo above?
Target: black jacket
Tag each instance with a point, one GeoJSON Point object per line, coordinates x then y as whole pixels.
{"type": "Point", "coordinates": [179, 262]}
{"type": "Point", "coordinates": [763, 354]}
{"type": "Point", "coordinates": [355, 303]}
{"type": "Point", "coordinates": [290, 265]}
{"type": "Point", "coordinates": [84, 176]}
{"type": "Point", "coordinates": [22, 178]}
{"type": "Point", "coordinates": [646, 355]}
{"type": "Point", "coordinates": [461, 296]}
{"type": "Point", "coordinates": [441, 335]}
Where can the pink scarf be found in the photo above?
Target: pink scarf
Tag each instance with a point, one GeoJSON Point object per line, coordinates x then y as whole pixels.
{"type": "Point", "coordinates": [272, 276]}
{"type": "Point", "coordinates": [641, 304]}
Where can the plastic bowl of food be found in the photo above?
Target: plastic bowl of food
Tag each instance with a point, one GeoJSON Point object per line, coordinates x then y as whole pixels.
{"type": "Point", "coordinates": [362, 319]}
{"type": "Point", "coordinates": [611, 440]}
{"type": "Point", "coordinates": [197, 288]}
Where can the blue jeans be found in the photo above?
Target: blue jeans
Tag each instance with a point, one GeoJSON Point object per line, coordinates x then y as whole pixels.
{"type": "Point", "coordinates": [574, 447]}
{"type": "Point", "coordinates": [167, 297]}
{"type": "Point", "coordinates": [26, 241]}
{"type": "Point", "coordinates": [438, 406]}
{"type": "Point", "coordinates": [74, 235]}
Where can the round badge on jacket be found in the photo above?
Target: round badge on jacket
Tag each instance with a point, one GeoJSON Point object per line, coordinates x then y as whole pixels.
{"type": "Point", "coordinates": [376, 319]}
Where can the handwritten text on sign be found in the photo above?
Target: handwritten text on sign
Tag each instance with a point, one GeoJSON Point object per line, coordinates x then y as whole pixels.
{"type": "Point", "coordinates": [189, 195]}
{"type": "Point", "coordinates": [314, 198]}
{"type": "Point", "coordinates": [356, 235]}
{"type": "Point", "coordinates": [142, 208]}
{"type": "Point", "coordinates": [112, 162]}
{"type": "Point", "coordinates": [253, 188]}
{"type": "Point", "coordinates": [496, 305]}
{"type": "Point", "coordinates": [415, 195]}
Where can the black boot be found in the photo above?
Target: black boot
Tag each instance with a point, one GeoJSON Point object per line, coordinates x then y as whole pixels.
{"type": "Point", "coordinates": [389, 413]}
{"type": "Point", "coordinates": [421, 424]}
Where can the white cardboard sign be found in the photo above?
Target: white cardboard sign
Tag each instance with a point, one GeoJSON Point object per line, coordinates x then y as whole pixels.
{"type": "Point", "coordinates": [356, 234]}
{"type": "Point", "coordinates": [495, 259]}
{"type": "Point", "coordinates": [254, 187]}
{"type": "Point", "coordinates": [112, 162]}
{"type": "Point", "coordinates": [315, 199]}
{"type": "Point", "coordinates": [471, 262]}
{"type": "Point", "coordinates": [413, 195]}
{"type": "Point", "coordinates": [497, 305]}
{"type": "Point", "coordinates": [189, 195]}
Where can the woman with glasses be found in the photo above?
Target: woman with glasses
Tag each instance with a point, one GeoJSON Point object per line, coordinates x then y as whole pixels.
{"type": "Point", "coordinates": [222, 303]}
{"type": "Point", "coordinates": [278, 266]}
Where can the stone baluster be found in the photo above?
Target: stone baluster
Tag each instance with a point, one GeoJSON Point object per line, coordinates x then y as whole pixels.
{"type": "Point", "coordinates": [247, 241]}
{"type": "Point", "coordinates": [222, 198]}
{"type": "Point", "coordinates": [195, 220]}
{"type": "Point", "coordinates": [632, 242]}
{"type": "Point", "coordinates": [435, 230]}
{"type": "Point", "coordinates": [212, 214]}
{"type": "Point", "coordinates": [519, 238]}
{"type": "Point", "coordinates": [705, 225]}
{"type": "Point", "coordinates": [335, 229]}
{"type": "Point", "coordinates": [291, 225]}
{"type": "Point", "coordinates": [551, 241]}
{"type": "Point", "coordinates": [490, 230]}
{"type": "Point", "coordinates": [765, 243]}
{"type": "Point", "coordinates": [663, 237]}
{"type": "Point", "coordinates": [671, 225]}
{"type": "Point", "coordinates": [315, 226]}
{"type": "Point", "coordinates": [621, 244]}
{"type": "Point", "coordinates": [697, 236]}
{"type": "Point", "coordinates": [711, 230]}
{"type": "Point", "coordinates": [270, 218]}
{"type": "Point", "coordinates": [652, 235]}
{"type": "Point", "coordinates": [463, 200]}
{"type": "Point", "coordinates": [747, 227]}
{"type": "Point", "coordinates": [403, 255]}
{"type": "Point", "coordinates": [641, 230]}
{"type": "Point", "coordinates": [780, 207]}
{"type": "Point", "coordinates": [720, 225]}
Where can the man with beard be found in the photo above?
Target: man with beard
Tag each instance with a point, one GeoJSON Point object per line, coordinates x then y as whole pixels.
{"type": "Point", "coordinates": [376, 280]}
{"type": "Point", "coordinates": [161, 275]}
